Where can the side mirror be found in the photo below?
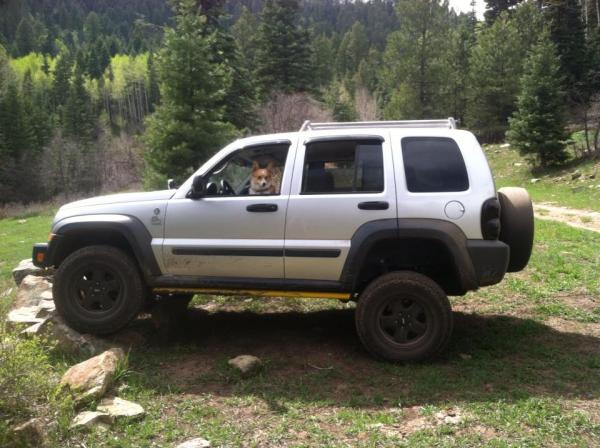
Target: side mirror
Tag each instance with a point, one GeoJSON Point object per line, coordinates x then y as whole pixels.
{"type": "Point", "coordinates": [198, 187]}
{"type": "Point", "coordinates": [172, 184]}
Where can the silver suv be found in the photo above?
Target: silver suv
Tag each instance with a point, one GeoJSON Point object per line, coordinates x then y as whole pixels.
{"type": "Point", "coordinates": [394, 215]}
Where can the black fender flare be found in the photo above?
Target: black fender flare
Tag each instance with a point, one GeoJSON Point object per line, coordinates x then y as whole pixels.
{"type": "Point", "coordinates": [444, 232]}
{"type": "Point", "coordinates": [131, 228]}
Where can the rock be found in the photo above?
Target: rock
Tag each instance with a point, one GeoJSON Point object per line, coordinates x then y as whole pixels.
{"type": "Point", "coordinates": [67, 339]}
{"type": "Point", "coordinates": [246, 364]}
{"type": "Point", "coordinates": [31, 291]}
{"type": "Point", "coordinates": [198, 442]}
{"type": "Point", "coordinates": [575, 175]}
{"type": "Point", "coordinates": [88, 419]}
{"type": "Point", "coordinates": [119, 408]}
{"type": "Point", "coordinates": [465, 356]}
{"type": "Point", "coordinates": [25, 268]}
{"type": "Point", "coordinates": [593, 175]}
{"type": "Point", "coordinates": [23, 316]}
{"type": "Point", "coordinates": [505, 145]}
{"type": "Point", "coordinates": [30, 433]}
{"type": "Point", "coordinates": [451, 417]}
{"type": "Point", "coordinates": [517, 164]}
{"type": "Point", "coordinates": [89, 380]}
{"type": "Point", "coordinates": [534, 180]}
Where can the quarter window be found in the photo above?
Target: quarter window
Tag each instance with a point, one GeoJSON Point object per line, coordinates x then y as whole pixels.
{"type": "Point", "coordinates": [344, 166]}
{"type": "Point", "coordinates": [433, 164]}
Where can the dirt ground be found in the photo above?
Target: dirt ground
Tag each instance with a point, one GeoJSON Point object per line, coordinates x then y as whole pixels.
{"type": "Point", "coordinates": [581, 219]}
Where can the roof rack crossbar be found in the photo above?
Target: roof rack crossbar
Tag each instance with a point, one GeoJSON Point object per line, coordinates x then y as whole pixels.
{"type": "Point", "coordinates": [448, 123]}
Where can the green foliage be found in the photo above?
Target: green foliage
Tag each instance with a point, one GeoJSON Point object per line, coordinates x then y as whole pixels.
{"type": "Point", "coordinates": [567, 31]}
{"type": "Point", "coordinates": [496, 7]}
{"type": "Point", "coordinates": [352, 50]}
{"type": "Point", "coordinates": [413, 74]}
{"type": "Point", "coordinates": [339, 100]}
{"type": "Point", "coordinates": [25, 37]}
{"type": "Point", "coordinates": [284, 54]}
{"type": "Point", "coordinates": [23, 387]}
{"type": "Point", "coordinates": [78, 116]}
{"type": "Point", "coordinates": [239, 99]}
{"type": "Point", "coordinates": [244, 32]}
{"type": "Point", "coordinates": [323, 53]}
{"type": "Point", "coordinates": [496, 67]}
{"type": "Point", "coordinates": [538, 127]}
{"type": "Point", "coordinates": [61, 77]}
{"type": "Point", "coordinates": [188, 125]}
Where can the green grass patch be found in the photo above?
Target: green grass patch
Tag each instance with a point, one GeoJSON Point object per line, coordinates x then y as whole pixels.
{"type": "Point", "coordinates": [553, 185]}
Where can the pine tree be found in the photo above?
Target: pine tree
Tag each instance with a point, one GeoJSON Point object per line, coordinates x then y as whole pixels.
{"type": "Point", "coordinates": [353, 49]}
{"type": "Point", "coordinates": [284, 53]}
{"type": "Point", "coordinates": [538, 126]}
{"type": "Point", "coordinates": [188, 126]}
{"type": "Point", "coordinates": [461, 43]}
{"type": "Point", "coordinates": [496, 66]}
{"type": "Point", "coordinates": [153, 89]}
{"type": "Point", "coordinates": [496, 7]}
{"type": "Point", "coordinates": [25, 38]}
{"type": "Point", "coordinates": [244, 33]}
{"type": "Point", "coordinates": [35, 108]}
{"type": "Point", "coordinates": [339, 100]}
{"type": "Point", "coordinates": [78, 117]}
{"type": "Point", "coordinates": [414, 70]}
{"type": "Point", "coordinates": [18, 135]}
{"type": "Point", "coordinates": [568, 33]}
{"type": "Point", "coordinates": [61, 77]}
{"type": "Point", "coordinates": [323, 53]}
{"type": "Point", "coordinates": [239, 100]}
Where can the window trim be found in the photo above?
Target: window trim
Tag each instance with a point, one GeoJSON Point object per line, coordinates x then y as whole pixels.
{"type": "Point", "coordinates": [357, 139]}
{"type": "Point", "coordinates": [429, 137]}
{"type": "Point", "coordinates": [245, 147]}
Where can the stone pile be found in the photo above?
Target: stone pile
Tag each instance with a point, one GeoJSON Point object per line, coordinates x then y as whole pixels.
{"type": "Point", "coordinates": [33, 314]}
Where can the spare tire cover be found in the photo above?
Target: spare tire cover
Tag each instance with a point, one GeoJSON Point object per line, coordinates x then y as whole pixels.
{"type": "Point", "coordinates": [516, 225]}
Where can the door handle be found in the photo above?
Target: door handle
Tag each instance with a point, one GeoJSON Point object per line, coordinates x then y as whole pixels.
{"type": "Point", "coordinates": [374, 205]}
{"type": "Point", "coordinates": [262, 208]}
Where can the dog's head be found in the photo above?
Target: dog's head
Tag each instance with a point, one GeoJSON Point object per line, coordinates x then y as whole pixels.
{"type": "Point", "coordinates": [262, 178]}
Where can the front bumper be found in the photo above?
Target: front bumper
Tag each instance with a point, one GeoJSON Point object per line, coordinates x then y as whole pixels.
{"type": "Point", "coordinates": [40, 255]}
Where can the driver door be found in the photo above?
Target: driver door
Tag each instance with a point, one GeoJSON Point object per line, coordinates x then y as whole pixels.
{"type": "Point", "coordinates": [232, 231]}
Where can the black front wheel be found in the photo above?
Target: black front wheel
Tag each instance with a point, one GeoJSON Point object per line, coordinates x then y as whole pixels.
{"type": "Point", "coordinates": [403, 316]}
{"type": "Point", "coordinates": [98, 290]}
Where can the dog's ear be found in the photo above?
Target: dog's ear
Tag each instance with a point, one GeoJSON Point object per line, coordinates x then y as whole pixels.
{"type": "Point", "coordinates": [255, 166]}
{"type": "Point", "coordinates": [270, 165]}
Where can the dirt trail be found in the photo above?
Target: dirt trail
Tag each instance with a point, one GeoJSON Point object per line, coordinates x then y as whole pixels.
{"type": "Point", "coordinates": [582, 219]}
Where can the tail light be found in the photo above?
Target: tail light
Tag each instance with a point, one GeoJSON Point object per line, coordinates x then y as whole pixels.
{"type": "Point", "coordinates": [490, 219]}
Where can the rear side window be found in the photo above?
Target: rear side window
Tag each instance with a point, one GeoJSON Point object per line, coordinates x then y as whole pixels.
{"type": "Point", "coordinates": [344, 166]}
{"type": "Point", "coordinates": [433, 164]}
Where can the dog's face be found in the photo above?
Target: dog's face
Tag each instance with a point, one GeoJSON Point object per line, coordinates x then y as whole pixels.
{"type": "Point", "coordinates": [262, 178]}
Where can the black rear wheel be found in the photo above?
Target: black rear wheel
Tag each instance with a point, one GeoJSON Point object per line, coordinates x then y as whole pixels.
{"type": "Point", "coordinates": [403, 316]}
{"type": "Point", "coordinates": [98, 289]}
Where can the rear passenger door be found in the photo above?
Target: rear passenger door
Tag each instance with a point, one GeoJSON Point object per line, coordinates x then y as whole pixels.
{"type": "Point", "coordinates": [338, 185]}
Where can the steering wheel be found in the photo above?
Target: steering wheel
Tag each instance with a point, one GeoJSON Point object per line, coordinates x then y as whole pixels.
{"type": "Point", "coordinates": [226, 189]}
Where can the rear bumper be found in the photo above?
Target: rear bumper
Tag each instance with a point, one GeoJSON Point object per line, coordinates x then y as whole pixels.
{"type": "Point", "coordinates": [490, 260]}
{"type": "Point", "coordinates": [40, 255]}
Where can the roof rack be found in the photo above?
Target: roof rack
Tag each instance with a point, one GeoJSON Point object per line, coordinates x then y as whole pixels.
{"type": "Point", "coordinates": [448, 123]}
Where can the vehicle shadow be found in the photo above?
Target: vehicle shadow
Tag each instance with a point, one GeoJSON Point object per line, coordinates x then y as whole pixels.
{"type": "Point", "coordinates": [316, 356]}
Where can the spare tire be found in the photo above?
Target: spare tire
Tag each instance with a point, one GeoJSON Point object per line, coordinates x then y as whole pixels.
{"type": "Point", "coordinates": [516, 225]}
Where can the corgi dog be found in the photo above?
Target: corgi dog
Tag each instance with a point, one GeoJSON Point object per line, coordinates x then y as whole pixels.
{"type": "Point", "coordinates": [265, 180]}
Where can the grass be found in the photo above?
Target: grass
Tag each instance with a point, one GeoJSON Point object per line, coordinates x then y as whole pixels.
{"type": "Point", "coordinates": [552, 185]}
{"type": "Point", "coordinates": [522, 368]}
